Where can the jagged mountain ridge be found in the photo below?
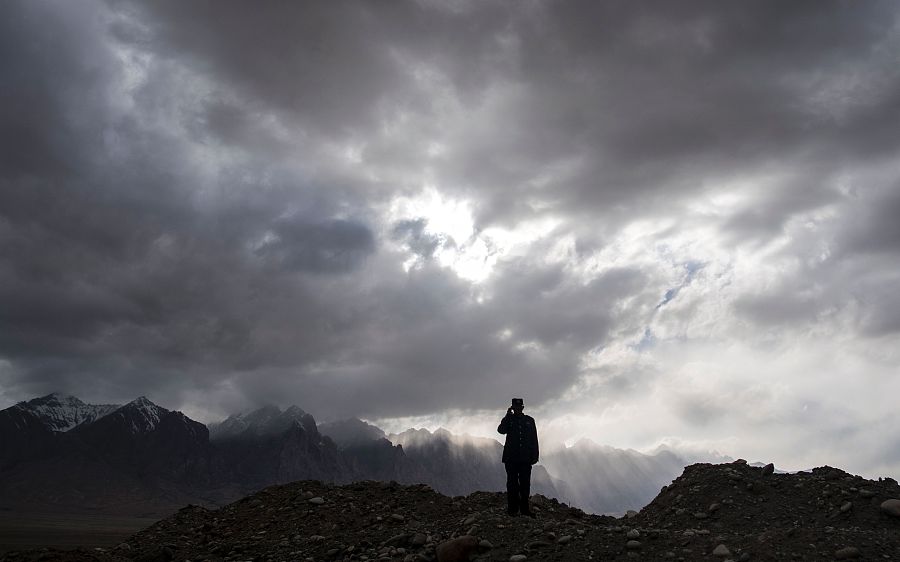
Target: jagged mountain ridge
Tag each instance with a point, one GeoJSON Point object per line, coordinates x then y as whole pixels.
{"type": "Point", "coordinates": [268, 420]}
{"type": "Point", "coordinates": [163, 449]}
{"type": "Point", "coordinates": [28, 429]}
{"type": "Point", "coordinates": [351, 432]}
{"type": "Point", "coordinates": [62, 412]}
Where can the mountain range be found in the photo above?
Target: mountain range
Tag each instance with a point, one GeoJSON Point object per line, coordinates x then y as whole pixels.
{"type": "Point", "coordinates": [58, 453]}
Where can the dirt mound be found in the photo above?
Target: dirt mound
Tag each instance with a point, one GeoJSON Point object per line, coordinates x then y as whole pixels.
{"type": "Point", "coordinates": [804, 515]}
{"type": "Point", "coordinates": [729, 511]}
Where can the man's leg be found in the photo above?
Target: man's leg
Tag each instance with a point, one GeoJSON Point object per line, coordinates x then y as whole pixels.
{"type": "Point", "coordinates": [524, 488]}
{"type": "Point", "coordinates": [512, 488]}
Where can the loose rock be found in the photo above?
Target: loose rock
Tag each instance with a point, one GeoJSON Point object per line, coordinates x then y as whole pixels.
{"type": "Point", "coordinates": [847, 553]}
{"type": "Point", "coordinates": [457, 550]}
{"type": "Point", "coordinates": [778, 519]}
{"type": "Point", "coordinates": [722, 551]}
{"type": "Point", "coordinates": [891, 507]}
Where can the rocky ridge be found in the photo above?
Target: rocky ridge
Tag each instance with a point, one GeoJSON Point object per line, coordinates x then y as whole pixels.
{"type": "Point", "coordinates": [61, 412]}
{"type": "Point", "coordinates": [722, 512]}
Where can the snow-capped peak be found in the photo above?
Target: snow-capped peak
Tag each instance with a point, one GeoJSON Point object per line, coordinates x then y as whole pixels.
{"type": "Point", "coordinates": [142, 414]}
{"type": "Point", "coordinates": [267, 420]}
{"type": "Point", "coordinates": [62, 412]}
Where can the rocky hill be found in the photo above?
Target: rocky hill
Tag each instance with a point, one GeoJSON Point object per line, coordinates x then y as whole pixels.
{"type": "Point", "coordinates": [728, 511]}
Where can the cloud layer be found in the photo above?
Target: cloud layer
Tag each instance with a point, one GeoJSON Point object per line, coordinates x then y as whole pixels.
{"type": "Point", "coordinates": [658, 223]}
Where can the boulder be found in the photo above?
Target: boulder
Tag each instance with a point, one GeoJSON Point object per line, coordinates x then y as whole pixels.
{"type": "Point", "coordinates": [457, 550]}
{"type": "Point", "coordinates": [891, 507]}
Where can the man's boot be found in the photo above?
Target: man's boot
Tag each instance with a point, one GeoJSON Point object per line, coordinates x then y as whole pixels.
{"type": "Point", "coordinates": [512, 510]}
{"type": "Point", "coordinates": [525, 509]}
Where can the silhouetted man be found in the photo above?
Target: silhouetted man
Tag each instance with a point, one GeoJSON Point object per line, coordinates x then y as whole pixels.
{"type": "Point", "coordinates": [519, 453]}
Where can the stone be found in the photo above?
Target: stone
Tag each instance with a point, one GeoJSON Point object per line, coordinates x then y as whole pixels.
{"type": "Point", "coordinates": [847, 506]}
{"type": "Point", "coordinates": [397, 517]}
{"type": "Point", "coordinates": [518, 558]}
{"type": "Point", "coordinates": [457, 550]}
{"type": "Point", "coordinates": [701, 515]}
{"type": "Point", "coordinates": [631, 514]}
{"type": "Point", "coordinates": [396, 539]}
{"type": "Point", "coordinates": [722, 551]}
{"type": "Point", "coordinates": [565, 539]}
{"type": "Point", "coordinates": [768, 469]}
{"type": "Point", "coordinates": [316, 500]}
{"type": "Point", "coordinates": [866, 493]}
{"type": "Point", "coordinates": [485, 544]}
{"type": "Point", "coordinates": [714, 507]}
{"type": "Point", "coordinates": [847, 552]}
{"type": "Point", "coordinates": [891, 507]}
{"type": "Point", "coordinates": [633, 534]}
{"type": "Point", "coordinates": [418, 539]}
{"type": "Point", "coordinates": [633, 545]}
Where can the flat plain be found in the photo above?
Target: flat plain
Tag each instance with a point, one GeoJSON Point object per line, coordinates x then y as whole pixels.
{"type": "Point", "coordinates": [66, 530]}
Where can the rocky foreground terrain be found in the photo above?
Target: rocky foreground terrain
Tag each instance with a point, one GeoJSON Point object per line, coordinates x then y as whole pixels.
{"type": "Point", "coordinates": [711, 512]}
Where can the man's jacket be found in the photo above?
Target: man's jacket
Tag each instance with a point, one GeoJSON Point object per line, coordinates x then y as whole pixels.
{"type": "Point", "coordinates": [521, 439]}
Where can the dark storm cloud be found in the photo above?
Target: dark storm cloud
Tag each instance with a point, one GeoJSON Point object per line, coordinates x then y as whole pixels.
{"type": "Point", "coordinates": [192, 194]}
{"type": "Point", "coordinates": [425, 345]}
{"type": "Point", "coordinates": [543, 304]}
{"type": "Point", "coordinates": [337, 245]}
{"type": "Point", "coordinates": [765, 216]}
{"type": "Point", "coordinates": [874, 229]}
{"type": "Point", "coordinates": [657, 103]}
{"type": "Point", "coordinates": [335, 67]}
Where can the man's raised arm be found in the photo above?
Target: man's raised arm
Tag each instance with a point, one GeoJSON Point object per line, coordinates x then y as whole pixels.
{"type": "Point", "coordinates": [502, 428]}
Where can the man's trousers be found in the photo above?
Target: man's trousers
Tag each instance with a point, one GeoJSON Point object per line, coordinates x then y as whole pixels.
{"type": "Point", "coordinates": [518, 486]}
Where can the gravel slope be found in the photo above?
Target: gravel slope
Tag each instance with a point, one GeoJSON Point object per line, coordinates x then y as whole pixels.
{"type": "Point", "coordinates": [712, 512]}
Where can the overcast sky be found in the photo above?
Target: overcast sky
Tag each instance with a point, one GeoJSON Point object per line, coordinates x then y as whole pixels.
{"type": "Point", "coordinates": [657, 222]}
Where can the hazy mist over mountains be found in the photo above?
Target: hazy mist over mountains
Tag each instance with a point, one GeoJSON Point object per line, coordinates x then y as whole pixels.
{"type": "Point", "coordinates": [139, 457]}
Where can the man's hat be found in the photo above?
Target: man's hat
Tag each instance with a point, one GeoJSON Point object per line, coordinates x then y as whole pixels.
{"type": "Point", "coordinates": [518, 402]}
